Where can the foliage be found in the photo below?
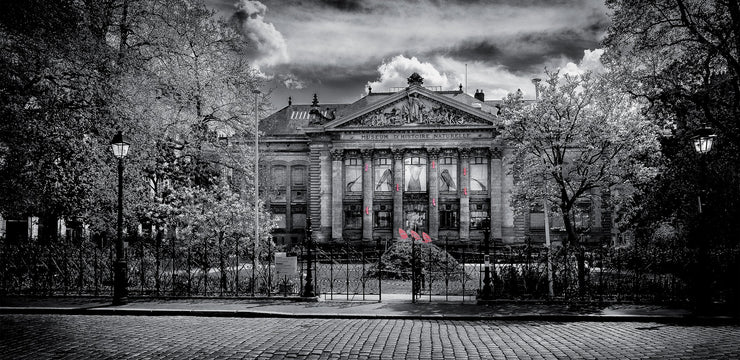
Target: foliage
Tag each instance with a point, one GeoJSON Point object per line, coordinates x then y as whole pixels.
{"type": "Point", "coordinates": [55, 123]}
{"type": "Point", "coordinates": [580, 142]}
{"type": "Point", "coordinates": [166, 72]}
{"type": "Point", "coordinates": [682, 58]}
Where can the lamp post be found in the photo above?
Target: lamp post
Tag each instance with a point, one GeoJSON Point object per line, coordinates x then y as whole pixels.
{"type": "Point", "coordinates": [486, 293]}
{"type": "Point", "coordinates": [255, 244]}
{"type": "Point", "coordinates": [703, 142]}
{"type": "Point", "coordinates": [308, 289]}
{"type": "Point", "coordinates": [120, 295]}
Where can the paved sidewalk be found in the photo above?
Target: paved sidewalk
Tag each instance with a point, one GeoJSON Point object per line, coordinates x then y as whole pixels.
{"type": "Point", "coordinates": [390, 308]}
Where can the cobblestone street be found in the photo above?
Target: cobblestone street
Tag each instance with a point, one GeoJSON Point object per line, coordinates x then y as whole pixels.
{"type": "Point", "coordinates": [176, 337]}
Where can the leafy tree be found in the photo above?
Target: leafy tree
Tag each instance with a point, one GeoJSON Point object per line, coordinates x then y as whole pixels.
{"type": "Point", "coordinates": [54, 70]}
{"type": "Point", "coordinates": [682, 57]}
{"type": "Point", "coordinates": [585, 140]}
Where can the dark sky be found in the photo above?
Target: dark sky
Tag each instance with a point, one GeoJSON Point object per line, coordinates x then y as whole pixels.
{"type": "Point", "coordinates": [337, 48]}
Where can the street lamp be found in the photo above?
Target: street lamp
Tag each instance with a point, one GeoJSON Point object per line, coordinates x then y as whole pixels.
{"type": "Point", "coordinates": [120, 147]}
{"type": "Point", "coordinates": [486, 293]}
{"type": "Point", "coordinates": [703, 142]}
{"type": "Point", "coordinates": [308, 289]}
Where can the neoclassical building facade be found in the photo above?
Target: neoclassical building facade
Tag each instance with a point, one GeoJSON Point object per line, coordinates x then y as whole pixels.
{"type": "Point", "coordinates": [418, 159]}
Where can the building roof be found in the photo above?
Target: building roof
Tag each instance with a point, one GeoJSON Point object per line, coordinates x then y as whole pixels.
{"type": "Point", "coordinates": [293, 119]}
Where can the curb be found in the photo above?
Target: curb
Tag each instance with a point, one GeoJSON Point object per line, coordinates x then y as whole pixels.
{"type": "Point", "coordinates": [665, 319]}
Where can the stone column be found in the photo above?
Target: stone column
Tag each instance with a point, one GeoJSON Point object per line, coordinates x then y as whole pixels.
{"type": "Point", "coordinates": [397, 191]}
{"type": "Point", "coordinates": [367, 195]}
{"type": "Point", "coordinates": [325, 195]}
{"type": "Point", "coordinates": [433, 181]}
{"type": "Point", "coordinates": [497, 196]}
{"type": "Point", "coordinates": [337, 195]}
{"type": "Point", "coordinates": [464, 193]}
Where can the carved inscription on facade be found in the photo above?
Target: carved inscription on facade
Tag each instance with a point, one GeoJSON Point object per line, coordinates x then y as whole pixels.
{"type": "Point", "coordinates": [415, 136]}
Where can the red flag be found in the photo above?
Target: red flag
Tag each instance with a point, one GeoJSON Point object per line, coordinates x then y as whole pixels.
{"type": "Point", "coordinates": [403, 234]}
{"type": "Point", "coordinates": [427, 238]}
{"type": "Point", "coordinates": [415, 235]}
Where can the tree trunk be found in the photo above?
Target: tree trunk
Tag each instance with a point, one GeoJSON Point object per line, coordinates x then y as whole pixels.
{"type": "Point", "coordinates": [574, 243]}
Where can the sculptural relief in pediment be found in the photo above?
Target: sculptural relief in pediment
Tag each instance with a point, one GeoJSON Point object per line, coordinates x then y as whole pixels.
{"type": "Point", "coordinates": [415, 110]}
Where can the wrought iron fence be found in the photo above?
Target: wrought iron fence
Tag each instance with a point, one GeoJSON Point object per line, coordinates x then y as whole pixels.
{"type": "Point", "coordinates": [350, 271]}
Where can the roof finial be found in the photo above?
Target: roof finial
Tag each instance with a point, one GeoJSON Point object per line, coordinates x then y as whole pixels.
{"type": "Point", "coordinates": [369, 90]}
{"type": "Point", "coordinates": [315, 101]}
{"type": "Point", "coordinates": [415, 79]}
{"type": "Point", "coordinates": [290, 100]}
{"type": "Point", "coordinates": [460, 89]}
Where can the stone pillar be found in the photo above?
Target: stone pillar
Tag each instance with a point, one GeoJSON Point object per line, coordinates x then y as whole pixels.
{"type": "Point", "coordinates": [507, 184]}
{"type": "Point", "coordinates": [464, 193]}
{"type": "Point", "coordinates": [397, 191]}
{"type": "Point", "coordinates": [337, 194]}
{"type": "Point", "coordinates": [367, 195]}
{"type": "Point", "coordinates": [433, 181]}
{"type": "Point", "coordinates": [319, 190]}
{"type": "Point", "coordinates": [325, 195]}
{"type": "Point", "coordinates": [497, 196]}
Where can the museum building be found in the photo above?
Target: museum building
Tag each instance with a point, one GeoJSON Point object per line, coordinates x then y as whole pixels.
{"type": "Point", "coordinates": [420, 158]}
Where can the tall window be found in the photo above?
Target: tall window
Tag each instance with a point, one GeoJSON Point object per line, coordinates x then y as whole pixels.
{"type": "Point", "coordinates": [383, 216]}
{"type": "Point", "coordinates": [383, 174]}
{"type": "Point", "coordinates": [353, 175]}
{"type": "Point", "coordinates": [298, 176]}
{"type": "Point", "coordinates": [352, 216]}
{"type": "Point", "coordinates": [415, 174]}
{"type": "Point", "coordinates": [279, 183]}
{"type": "Point", "coordinates": [415, 217]}
{"type": "Point", "coordinates": [479, 174]}
{"type": "Point", "coordinates": [278, 212]}
{"type": "Point", "coordinates": [298, 183]}
{"type": "Point", "coordinates": [478, 215]}
{"type": "Point", "coordinates": [448, 216]}
{"type": "Point", "coordinates": [448, 174]}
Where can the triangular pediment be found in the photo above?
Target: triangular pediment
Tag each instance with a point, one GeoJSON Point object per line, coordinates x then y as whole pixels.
{"type": "Point", "coordinates": [414, 106]}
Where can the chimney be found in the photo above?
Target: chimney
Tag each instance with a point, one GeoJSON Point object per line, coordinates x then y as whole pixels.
{"type": "Point", "coordinates": [480, 95]}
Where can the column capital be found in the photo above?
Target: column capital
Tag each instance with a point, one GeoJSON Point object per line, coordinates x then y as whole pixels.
{"type": "Point", "coordinates": [397, 153]}
{"type": "Point", "coordinates": [337, 154]}
{"type": "Point", "coordinates": [464, 153]}
{"type": "Point", "coordinates": [433, 153]}
{"type": "Point", "coordinates": [367, 153]}
{"type": "Point", "coordinates": [495, 152]}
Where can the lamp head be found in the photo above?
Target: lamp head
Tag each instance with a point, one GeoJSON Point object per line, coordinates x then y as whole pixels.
{"type": "Point", "coordinates": [119, 145]}
{"type": "Point", "coordinates": [703, 140]}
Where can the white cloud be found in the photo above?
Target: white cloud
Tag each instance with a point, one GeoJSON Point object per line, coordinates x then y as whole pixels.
{"type": "Point", "coordinates": [495, 81]}
{"type": "Point", "coordinates": [395, 73]}
{"type": "Point", "coordinates": [266, 44]}
{"type": "Point", "coordinates": [591, 61]}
